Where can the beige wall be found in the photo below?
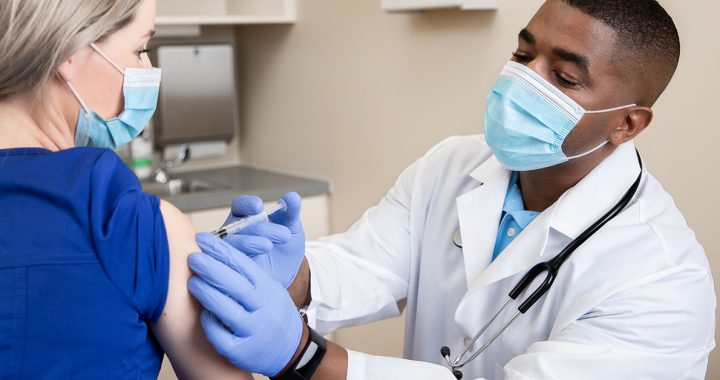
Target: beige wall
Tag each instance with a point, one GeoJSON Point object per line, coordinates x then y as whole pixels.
{"type": "Point", "coordinates": [355, 95]}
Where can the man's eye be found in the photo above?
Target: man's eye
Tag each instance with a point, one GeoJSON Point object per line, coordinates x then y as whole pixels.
{"type": "Point", "coordinates": [565, 82]}
{"type": "Point", "coordinates": [521, 58]}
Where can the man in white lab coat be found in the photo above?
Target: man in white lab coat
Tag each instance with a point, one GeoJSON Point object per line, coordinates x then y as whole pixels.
{"type": "Point", "coordinates": [465, 223]}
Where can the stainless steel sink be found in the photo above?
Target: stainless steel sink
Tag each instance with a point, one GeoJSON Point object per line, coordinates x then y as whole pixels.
{"type": "Point", "coordinates": [179, 186]}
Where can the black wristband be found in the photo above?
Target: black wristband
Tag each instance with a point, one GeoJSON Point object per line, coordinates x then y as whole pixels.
{"type": "Point", "coordinates": [306, 371]}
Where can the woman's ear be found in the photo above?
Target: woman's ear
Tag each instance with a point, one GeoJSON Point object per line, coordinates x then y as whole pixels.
{"type": "Point", "coordinates": [68, 69]}
{"type": "Point", "coordinates": [636, 120]}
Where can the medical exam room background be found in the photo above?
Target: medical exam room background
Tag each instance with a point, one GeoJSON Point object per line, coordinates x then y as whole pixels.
{"type": "Point", "coordinates": [354, 94]}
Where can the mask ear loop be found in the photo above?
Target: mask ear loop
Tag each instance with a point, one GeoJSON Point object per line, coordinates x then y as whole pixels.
{"type": "Point", "coordinates": [102, 54]}
{"type": "Point", "coordinates": [612, 109]}
{"type": "Point", "coordinates": [593, 150]}
{"type": "Point", "coordinates": [77, 96]}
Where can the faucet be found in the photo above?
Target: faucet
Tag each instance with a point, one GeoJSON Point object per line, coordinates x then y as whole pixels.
{"type": "Point", "coordinates": [161, 175]}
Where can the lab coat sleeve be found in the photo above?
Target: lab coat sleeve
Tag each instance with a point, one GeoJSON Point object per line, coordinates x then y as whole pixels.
{"type": "Point", "coordinates": [619, 340]}
{"type": "Point", "coordinates": [362, 275]}
{"type": "Point", "coordinates": [368, 367]}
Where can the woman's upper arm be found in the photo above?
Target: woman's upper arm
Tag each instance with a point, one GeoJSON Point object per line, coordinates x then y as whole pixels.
{"type": "Point", "coordinates": [178, 329]}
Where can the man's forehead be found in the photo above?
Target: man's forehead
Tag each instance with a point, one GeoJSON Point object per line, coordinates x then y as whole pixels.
{"type": "Point", "coordinates": [557, 25]}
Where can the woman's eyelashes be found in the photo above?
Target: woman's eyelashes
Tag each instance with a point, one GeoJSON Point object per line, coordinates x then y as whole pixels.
{"type": "Point", "coordinates": [141, 52]}
{"type": "Point", "coordinates": [521, 58]}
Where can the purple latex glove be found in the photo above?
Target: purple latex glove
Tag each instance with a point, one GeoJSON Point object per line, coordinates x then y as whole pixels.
{"type": "Point", "coordinates": [249, 317]}
{"type": "Point", "coordinates": [284, 229]}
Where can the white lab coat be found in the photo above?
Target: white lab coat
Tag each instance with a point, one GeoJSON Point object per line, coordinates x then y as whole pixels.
{"type": "Point", "coordinates": [636, 301]}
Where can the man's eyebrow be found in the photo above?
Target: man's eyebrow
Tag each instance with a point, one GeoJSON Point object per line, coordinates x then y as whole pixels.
{"type": "Point", "coordinates": [526, 36]}
{"type": "Point", "coordinates": [579, 60]}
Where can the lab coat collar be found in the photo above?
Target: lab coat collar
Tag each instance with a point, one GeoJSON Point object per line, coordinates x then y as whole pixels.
{"type": "Point", "coordinates": [480, 209]}
{"type": "Point", "coordinates": [479, 212]}
{"type": "Point", "coordinates": [574, 213]}
{"type": "Point", "coordinates": [488, 170]}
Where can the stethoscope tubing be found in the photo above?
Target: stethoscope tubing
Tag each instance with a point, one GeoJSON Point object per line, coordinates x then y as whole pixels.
{"type": "Point", "coordinates": [552, 267]}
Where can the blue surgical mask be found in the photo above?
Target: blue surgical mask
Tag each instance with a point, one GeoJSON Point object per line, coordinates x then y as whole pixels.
{"type": "Point", "coordinates": [141, 87]}
{"type": "Point", "coordinates": [528, 119]}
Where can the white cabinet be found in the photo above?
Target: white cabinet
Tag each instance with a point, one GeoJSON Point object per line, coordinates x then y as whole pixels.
{"type": "Point", "coordinates": [315, 218]}
{"type": "Point", "coordinates": [226, 12]}
{"type": "Point", "coordinates": [415, 5]}
{"type": "Point", "coordinates": [314, 215]}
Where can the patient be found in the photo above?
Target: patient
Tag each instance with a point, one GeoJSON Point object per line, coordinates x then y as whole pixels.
{"type": "Point", "coordinates": [92, 270]}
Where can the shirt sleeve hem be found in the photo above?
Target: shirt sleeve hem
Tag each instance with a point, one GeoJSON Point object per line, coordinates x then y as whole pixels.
{"type": "Point", "coordinates": [163, 252]}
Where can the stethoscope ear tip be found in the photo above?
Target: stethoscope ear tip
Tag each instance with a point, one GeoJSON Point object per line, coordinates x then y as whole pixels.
{"type": "Point", "coordinates": [445, 351]}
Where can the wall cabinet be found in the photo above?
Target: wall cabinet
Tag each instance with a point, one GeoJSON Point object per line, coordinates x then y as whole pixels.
{"type": "Point", "coordinates": [416, 5]}
{"type": "Point", "coordinates": [226, 12]}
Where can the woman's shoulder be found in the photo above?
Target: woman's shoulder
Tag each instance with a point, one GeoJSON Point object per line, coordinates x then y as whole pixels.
{"type": "Point", "coordinates": [75, 164]}
{"type": "Point", "coordinates": [96, 169]}
{"type": "Point", "coordinates": [100, 162]}
{"type": "Point", "coordinates": [75, 175]}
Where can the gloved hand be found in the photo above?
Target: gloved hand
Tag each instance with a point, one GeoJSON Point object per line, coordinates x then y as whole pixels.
{"type": "Point", "coordinates": [249, 317]}
{"type": "Point", "coordinates": [288, 250]}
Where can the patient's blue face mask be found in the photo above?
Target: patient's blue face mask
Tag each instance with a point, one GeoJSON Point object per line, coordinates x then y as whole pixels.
{"type": "Point", "coordinates": [141, 87]}
{"type": "Point", "coordinates": [528, 119]}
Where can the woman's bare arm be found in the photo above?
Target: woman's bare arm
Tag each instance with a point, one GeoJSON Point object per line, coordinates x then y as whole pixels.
{"type": "Point", "coordinates": [178, 330]}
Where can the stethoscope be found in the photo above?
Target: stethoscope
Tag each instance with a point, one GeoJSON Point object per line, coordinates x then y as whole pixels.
{"type": "Point", "coordinates": [551, 267]}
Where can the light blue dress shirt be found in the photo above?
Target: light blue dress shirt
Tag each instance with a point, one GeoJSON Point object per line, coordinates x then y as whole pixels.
{"type": "Point", "coordinates": [514, 217]}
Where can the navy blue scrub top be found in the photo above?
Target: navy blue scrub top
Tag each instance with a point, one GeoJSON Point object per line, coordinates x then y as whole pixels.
{"type": "Point", "coordinates": [83, 267]}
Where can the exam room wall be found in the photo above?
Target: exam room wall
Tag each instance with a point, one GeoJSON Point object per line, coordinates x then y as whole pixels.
{"type": "Point", "coordinates": [355, 95]}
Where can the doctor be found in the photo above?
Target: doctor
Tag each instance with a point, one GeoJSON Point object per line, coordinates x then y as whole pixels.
{"type": "Point", "coordinates": [467, 221]}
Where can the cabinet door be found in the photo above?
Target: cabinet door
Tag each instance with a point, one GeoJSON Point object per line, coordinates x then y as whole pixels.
{"type": "Point", "coordinates": [209, 220]}
{"type": "Point", "coordinates": [314, 214]}
{"type": "Point", "coordinates": [226, 12]}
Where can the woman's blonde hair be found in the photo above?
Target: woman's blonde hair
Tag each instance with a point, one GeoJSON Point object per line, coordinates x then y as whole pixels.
{"type": "Point", "coordinates": [37, 36]}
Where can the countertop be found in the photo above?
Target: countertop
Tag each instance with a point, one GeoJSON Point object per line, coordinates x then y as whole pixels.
{"type": "Point", "coordinates": [242, 180]}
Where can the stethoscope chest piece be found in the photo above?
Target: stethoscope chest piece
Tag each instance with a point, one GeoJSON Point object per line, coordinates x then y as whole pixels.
{"type": "Point", "coordinates": [457, 238]}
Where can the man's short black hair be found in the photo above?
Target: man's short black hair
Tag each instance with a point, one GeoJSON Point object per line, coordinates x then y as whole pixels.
{"type": "Point", "coordinates": [646, 35]}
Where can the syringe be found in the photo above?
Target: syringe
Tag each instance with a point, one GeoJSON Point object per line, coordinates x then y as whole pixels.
{"type": "Point", "coordinates": [252, 219]}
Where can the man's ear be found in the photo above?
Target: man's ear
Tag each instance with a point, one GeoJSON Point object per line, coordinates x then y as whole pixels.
{"type": "Point", "coordinates": [636, 120]}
